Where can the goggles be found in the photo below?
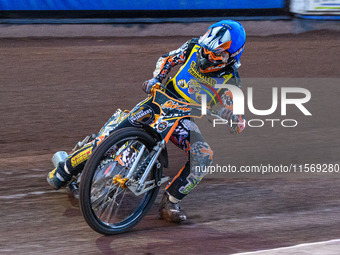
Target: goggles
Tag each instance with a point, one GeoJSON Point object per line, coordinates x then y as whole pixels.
{"type": "Point", "coordinates": [212, 57]}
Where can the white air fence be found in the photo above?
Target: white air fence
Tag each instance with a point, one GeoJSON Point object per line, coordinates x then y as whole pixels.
{"type": "Point", "coordinates": [315, 7]}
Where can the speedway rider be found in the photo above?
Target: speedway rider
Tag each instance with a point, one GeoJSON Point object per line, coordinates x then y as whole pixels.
{"type": "Point", "coordinates": [212, 59]}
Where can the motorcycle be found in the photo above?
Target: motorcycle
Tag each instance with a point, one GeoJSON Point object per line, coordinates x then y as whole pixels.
{"type": "Point", "coordinates": [122, 177]}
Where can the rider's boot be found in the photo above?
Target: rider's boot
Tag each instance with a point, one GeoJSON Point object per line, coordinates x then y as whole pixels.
{"type": "Point", "coordinates": [170, 210]}
{"type": "Point", "coordinates": [58, 177]}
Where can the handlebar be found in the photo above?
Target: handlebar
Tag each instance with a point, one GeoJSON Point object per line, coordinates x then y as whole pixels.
{"type": "Point", "coordinates": [159, 85]}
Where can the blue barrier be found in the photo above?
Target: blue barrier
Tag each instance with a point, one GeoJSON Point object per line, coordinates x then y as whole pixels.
{"type": "Point", "coordinates": [82, 5]}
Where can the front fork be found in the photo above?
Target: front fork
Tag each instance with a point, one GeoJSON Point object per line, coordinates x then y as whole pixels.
{"type": "Point", "coordinates": [137, 180]}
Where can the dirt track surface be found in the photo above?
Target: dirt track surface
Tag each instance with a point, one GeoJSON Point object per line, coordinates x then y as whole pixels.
{"type": "Point", "coordinates": [56, 91]}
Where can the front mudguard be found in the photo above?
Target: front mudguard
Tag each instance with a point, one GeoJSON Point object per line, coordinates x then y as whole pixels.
{"type": "Point", "coordinates": [164, 154]}
{"type": "Point", "coordinates": [126, 124]}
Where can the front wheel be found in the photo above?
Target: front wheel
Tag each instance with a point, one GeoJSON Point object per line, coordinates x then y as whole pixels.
{"type": "Point", "coordinates": [107, 204]}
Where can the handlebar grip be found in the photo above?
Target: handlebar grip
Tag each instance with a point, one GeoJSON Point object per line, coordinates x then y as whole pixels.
{"type": "Point", "coordinates": [158, 85]}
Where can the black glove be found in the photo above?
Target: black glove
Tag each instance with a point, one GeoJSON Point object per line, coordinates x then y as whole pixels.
{"type": "Point", "coordinates": [147, 85]}
{"type": "Point", "coordinates": [237, 121]}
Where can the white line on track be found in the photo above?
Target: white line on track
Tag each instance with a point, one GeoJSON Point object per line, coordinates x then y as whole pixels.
{"type": "Point", "coordinates": [18, 196]}
{"type": "Point", "coordinates": [330, 247]}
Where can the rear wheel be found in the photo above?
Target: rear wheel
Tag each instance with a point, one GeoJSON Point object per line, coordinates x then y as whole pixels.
{"type": "Point", "coordinates": [107, 205]}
